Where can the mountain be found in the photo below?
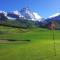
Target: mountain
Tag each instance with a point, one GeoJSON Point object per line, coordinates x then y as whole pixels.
{"type": "Point", "coordinates": [18, 13]}
{"type": "Point", "coordinates": [24, 13]}
{"type": "Point", "coordinates": [23, 18]}
{"type": "Point", "coordinates": [5, 13]}
{"type": "Point", "coordinates": [2, 16]}
{"type": "Point", "coordinates": [53, 18]}
{"type": "Point", "coordinates": [28, 14]}
{"type": "Point", "coordinates": [27, 18]}
{"type": "Point", "coordinates": [54, 15]}
{"type": "Point", "coordinates": [12, 16]}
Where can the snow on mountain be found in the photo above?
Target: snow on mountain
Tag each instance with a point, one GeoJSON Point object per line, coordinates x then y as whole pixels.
{"type": "Point", "coordinates": [37, 17]}
{"type": "Point", "coordinates": [54, 15]}
{"type": "Point", "coordinates": [11, 18]}
{"type": "Point", "coordinates": [28, 14]}
{"type": "Point", "coordinates": [24, 13]}
{"type": "Point", "coordinates": [17, 13]}
{"type": "Point", "coordinates": [5, 13]}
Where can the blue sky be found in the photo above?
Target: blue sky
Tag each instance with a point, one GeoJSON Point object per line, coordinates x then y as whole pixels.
{"type": "Point", "coordinates": [44, 8]}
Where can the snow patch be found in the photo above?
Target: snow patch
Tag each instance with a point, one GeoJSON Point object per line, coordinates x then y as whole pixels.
{"type": "Point", "coordinates": [36, 15]}
{"type": "Point", "coordinates": [54, 15]}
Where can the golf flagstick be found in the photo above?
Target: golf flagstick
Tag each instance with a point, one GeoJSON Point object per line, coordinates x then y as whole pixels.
{"type": "Point", "coordinates": [54, 44]}
{"type": "Point", "coordinates": [53, 29]}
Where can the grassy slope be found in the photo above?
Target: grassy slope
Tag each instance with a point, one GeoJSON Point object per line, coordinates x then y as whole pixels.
{"type": "Point", "coordinates": [39, 48]}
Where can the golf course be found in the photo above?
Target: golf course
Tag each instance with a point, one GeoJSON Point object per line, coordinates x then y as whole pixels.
{"type": "Point", "coordinates": [29, 44]}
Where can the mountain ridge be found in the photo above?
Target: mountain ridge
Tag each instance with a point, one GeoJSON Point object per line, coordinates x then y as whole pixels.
{"type": "Point", "coordinates": [24, 13]}
{"type": "Point", "coordinates": [26, 18]}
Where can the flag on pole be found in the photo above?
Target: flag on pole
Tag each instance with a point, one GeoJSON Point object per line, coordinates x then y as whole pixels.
{"type": "Point", "coordinates": [52, 26]}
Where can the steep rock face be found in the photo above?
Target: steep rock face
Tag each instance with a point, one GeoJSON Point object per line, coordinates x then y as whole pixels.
{"type": "Point", "coordinates": [12, 15]}
{"type": "Point", "coordinates": [28, 14]}
{"type": "Point", "coordinates": [2, 17]}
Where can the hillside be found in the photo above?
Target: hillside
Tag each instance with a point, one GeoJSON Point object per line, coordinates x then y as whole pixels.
{"type": "Point", "coordinates": [20, 33]}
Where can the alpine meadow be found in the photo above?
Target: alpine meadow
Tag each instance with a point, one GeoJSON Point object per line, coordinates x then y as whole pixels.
{"type": "Point", "coordinates": [29, 29]}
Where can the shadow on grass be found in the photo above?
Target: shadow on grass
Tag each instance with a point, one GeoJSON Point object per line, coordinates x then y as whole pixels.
{"type": "Point", "coordinates": [16, 40]}
{"type": "Point", "coordinates": [1, 32]}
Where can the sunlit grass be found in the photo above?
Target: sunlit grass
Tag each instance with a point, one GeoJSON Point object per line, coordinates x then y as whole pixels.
{"type": "Point", "coordinates": [40, 47]}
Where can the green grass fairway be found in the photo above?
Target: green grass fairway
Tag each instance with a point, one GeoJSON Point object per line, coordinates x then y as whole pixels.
{"type": "Point", "coordinates": [40, 46]}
